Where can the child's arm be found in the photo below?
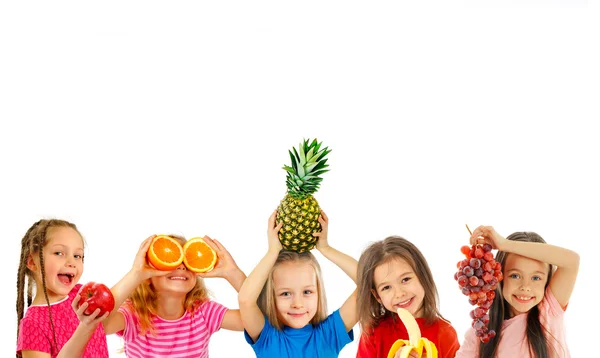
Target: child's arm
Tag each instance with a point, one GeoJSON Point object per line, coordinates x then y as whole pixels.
{"type": "Point", "coordinates": [348, 264]}
{"type": "Point", "coordinates": [140, 272]}
{"type": "Point", "coordinates": [228, 269]}
{"type": "Point", "coordinates": [567, 261]}
{"type": "Point", "coordinates": [252, 317]}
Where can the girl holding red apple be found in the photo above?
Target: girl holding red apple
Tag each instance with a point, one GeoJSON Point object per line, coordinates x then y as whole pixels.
{"type": "Point", "coordinates": [55, 325]}
{"type": "Point", "coordinates": [167, 313]}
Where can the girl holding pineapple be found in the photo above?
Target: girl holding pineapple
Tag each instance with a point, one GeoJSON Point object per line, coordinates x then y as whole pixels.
{"type": "Point", "coordinates": [394, 274]}
{"type": "Point", "coordinates": [528, 311]}
{"type": "Point", "coordinates": [283, 304]}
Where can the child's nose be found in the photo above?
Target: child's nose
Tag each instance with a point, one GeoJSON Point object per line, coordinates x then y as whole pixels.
{"type": "Point", "coordinates": [182, 267]}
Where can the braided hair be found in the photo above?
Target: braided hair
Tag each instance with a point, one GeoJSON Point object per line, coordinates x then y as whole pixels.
{"type": "Point", "coordinates": [32, 244]}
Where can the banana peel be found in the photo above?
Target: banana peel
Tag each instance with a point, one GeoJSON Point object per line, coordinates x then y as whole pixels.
{"type": "Point", "coordinates": [415, 342]}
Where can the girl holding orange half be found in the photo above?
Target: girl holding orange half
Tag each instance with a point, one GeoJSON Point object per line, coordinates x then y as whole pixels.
{"type": "Point", "coordinates": [168, 312]}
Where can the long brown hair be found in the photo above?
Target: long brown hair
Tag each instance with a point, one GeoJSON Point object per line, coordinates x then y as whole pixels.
{"type": "Point", "coordinates": [32, 244]}
{"type": "Point", "coordinates": [266, 299]}
{"type": "Point", "coordinates": [143, 300]}
{"type": "Point", "coordinates": [370, 313]}
{"type": "Point", "coordinates": [538, 336]}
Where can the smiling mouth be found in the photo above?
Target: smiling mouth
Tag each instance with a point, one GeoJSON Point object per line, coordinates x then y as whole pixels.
{"type": "Point", "coordinates": [178, 278]}
{"type": "Point", "coordinates": [66, 278]}
{"type": "Point", "coordinates": [523, 299]}
{"type": "Point", "coordinates": [404, 304]}
{"type": "Point", "coordinates": [296, 315]}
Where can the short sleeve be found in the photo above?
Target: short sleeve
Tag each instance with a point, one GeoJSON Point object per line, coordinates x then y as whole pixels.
{"type": "Point", "coordinates": [366, 346]}
{"type": "Point", "coordinates": [131, 323]}
{"type": "Point", "coordinates": [550, 305]}
{"type": "Point", "coordinates": [263, 339]}
{"type": "Point", "coordinates": [447, 341]}
{"type": "Point", "coordinates": [213, 314]}
{"type": "Point", "coordinates": [334, 331]}
{"type": "Point", "coordinates": [470, 346]}
{"type": "Point", "coordinates": [32, 337]}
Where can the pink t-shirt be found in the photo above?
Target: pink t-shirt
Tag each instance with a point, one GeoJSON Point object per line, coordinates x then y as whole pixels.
{"type": "Point", "coordinates": [513, 342]}
{"type": "Point", "coordinates": [187, 336]}
{"type": "Point", "coordinates": [35, 332]}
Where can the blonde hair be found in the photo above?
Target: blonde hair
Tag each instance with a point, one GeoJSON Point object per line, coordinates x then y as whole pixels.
{"type": "Point", "coordinates": [266, 299]}
{"type": "Point", "coordinates": [370, 312]}
{"type": "Point", "coordinates": [35, 239]}
{"type": "Point", "coordinates": [143, 299]}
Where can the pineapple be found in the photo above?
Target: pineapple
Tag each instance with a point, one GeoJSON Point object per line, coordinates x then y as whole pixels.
{"type": "Point", "coordinates": [299, 210]}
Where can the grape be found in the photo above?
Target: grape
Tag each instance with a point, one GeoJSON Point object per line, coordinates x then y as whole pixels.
{"type": "Point", "coordinates": [478, 276]}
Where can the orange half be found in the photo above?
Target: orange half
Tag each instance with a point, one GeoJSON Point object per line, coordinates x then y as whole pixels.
{"type": "Point", "coordinates": [165, 253]}
{"type": "Point", "coordinates": [198, 256]}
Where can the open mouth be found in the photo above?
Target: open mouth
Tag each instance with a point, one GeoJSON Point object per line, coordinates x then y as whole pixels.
{"type": "Point", "coordinates": [66, 278]}
{"type": "Point", "coordinates": [404, 304]}
{"type": "Point", "coordinates": [523, 299]}
{"type": "Point", "coordinates": [178, 278]}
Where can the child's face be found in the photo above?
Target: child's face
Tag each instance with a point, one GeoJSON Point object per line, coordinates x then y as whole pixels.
{"type": "Point", "coordinates": [396, 285]}
{"type": "Point", "coordinates": [63, 262]}
{"type": "Point", "coordinates": [179, 281]}
{"type": "Point", "coordinates": [296, 295]}
{"type": "Point", "coordinates": [524, 283]}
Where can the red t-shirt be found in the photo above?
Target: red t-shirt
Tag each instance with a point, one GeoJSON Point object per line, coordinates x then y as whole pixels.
{"type": "Point", "coordinates": [378, 344]}
{"type": "Point", "coordinates": [35, 333]}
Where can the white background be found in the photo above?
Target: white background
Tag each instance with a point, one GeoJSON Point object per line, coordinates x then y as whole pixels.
{"type": "Point", "coordinates": [134, 118]}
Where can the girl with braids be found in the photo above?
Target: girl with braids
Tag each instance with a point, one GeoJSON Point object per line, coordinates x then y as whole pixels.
{"type": "Point", "coordinates": [538, 282]}
{"type": "Point", "coordinates": [52, 258]}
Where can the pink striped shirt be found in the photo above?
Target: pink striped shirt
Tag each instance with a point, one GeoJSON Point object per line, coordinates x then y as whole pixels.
{"type": "Point", "coordinates": [187, 336]}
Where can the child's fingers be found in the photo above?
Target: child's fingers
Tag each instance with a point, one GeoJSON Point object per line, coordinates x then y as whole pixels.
{"type": "Point", "coordinates": [82, 309]}
{"type": "Point", "coordinates": [147, 241]}
{"type": "Point", "coordinates": [324, 216]}
{"type": "Point", "coordinates": [210, 242]}
{"type": "Point", "coordinates": [219, 245]}
{"type": "Point", "coordinates": [272, 219]}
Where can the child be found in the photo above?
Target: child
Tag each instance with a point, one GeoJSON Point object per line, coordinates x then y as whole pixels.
{"type": "Point", "coordinates": [393, 273]}
{"type": "Point", "coordinates": [529, 319]}
{"type": "Point", "coordinates": [170, 314]}
{"type": "Point", "coordinates": [290, 318]}
{"type": "Point", "coordinates": [52, 256]}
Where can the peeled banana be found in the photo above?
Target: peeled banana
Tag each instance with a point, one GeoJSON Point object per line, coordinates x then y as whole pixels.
{"type": "Point", "coordinates": [415, 341]}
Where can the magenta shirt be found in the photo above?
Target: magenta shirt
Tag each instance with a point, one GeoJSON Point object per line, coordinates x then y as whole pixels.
{"type": "Point", "coordinates": [513, 342]}
{"type": "Point", "coordinates": [35, 332]}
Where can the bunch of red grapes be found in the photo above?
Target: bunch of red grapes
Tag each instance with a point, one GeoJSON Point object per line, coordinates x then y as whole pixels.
{"type": "Point", "coordinates": [478, 276]}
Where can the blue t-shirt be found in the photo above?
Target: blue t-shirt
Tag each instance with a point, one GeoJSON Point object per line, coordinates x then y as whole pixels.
{"type": "Point", "coordinates": [323, 340]}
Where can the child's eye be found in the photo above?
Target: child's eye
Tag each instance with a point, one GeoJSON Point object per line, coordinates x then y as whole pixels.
{"type": "Point", "coordinates": [284, 294]}
{"type": "Point", "coordinates": [79, 257]}
{"type": "Point", "coordinates": [385, 288]}
{"type": "Point", "coordinates": [406, 279]}
{"type": "Point", "coordinates": [536, 278]}
{"type": "Point", "coordinates": [514, 275]}
{"type": "Point", "coordinates": [59, 253]}
{"type": "Point", "coordinates": [307, 292]}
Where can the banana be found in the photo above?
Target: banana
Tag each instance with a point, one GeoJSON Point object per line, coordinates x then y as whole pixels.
{"type": "Point", "coordinates": [415, 341]}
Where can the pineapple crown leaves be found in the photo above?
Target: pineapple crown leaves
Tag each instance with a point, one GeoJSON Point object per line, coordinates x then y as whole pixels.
{"type": "Point", "coordinates": [303, 177]}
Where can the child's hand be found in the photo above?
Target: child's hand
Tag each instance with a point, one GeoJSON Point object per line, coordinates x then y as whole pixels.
{"type": "Point", "coordinates": [412, 354]}
{"type": "Point", "coordinates": [140, 266]}
{"type": "Point", "coordinates": [88, 322]}
{"type": "Point", "coordinates": [487, 235]}
{"type": "Point", "coordinates": [272, 231]}
{"type": "Point", "coordinates": [322, 236]}
{"type": "Point", "coordinates": [225, 263]}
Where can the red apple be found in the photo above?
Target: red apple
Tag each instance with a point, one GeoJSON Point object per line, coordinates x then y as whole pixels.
{"type": "Point", "coordinates": [96, 295]}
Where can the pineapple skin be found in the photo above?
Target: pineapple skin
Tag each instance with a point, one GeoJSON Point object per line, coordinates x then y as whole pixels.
{"type": "Point", "coordinates": [300, 219]}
